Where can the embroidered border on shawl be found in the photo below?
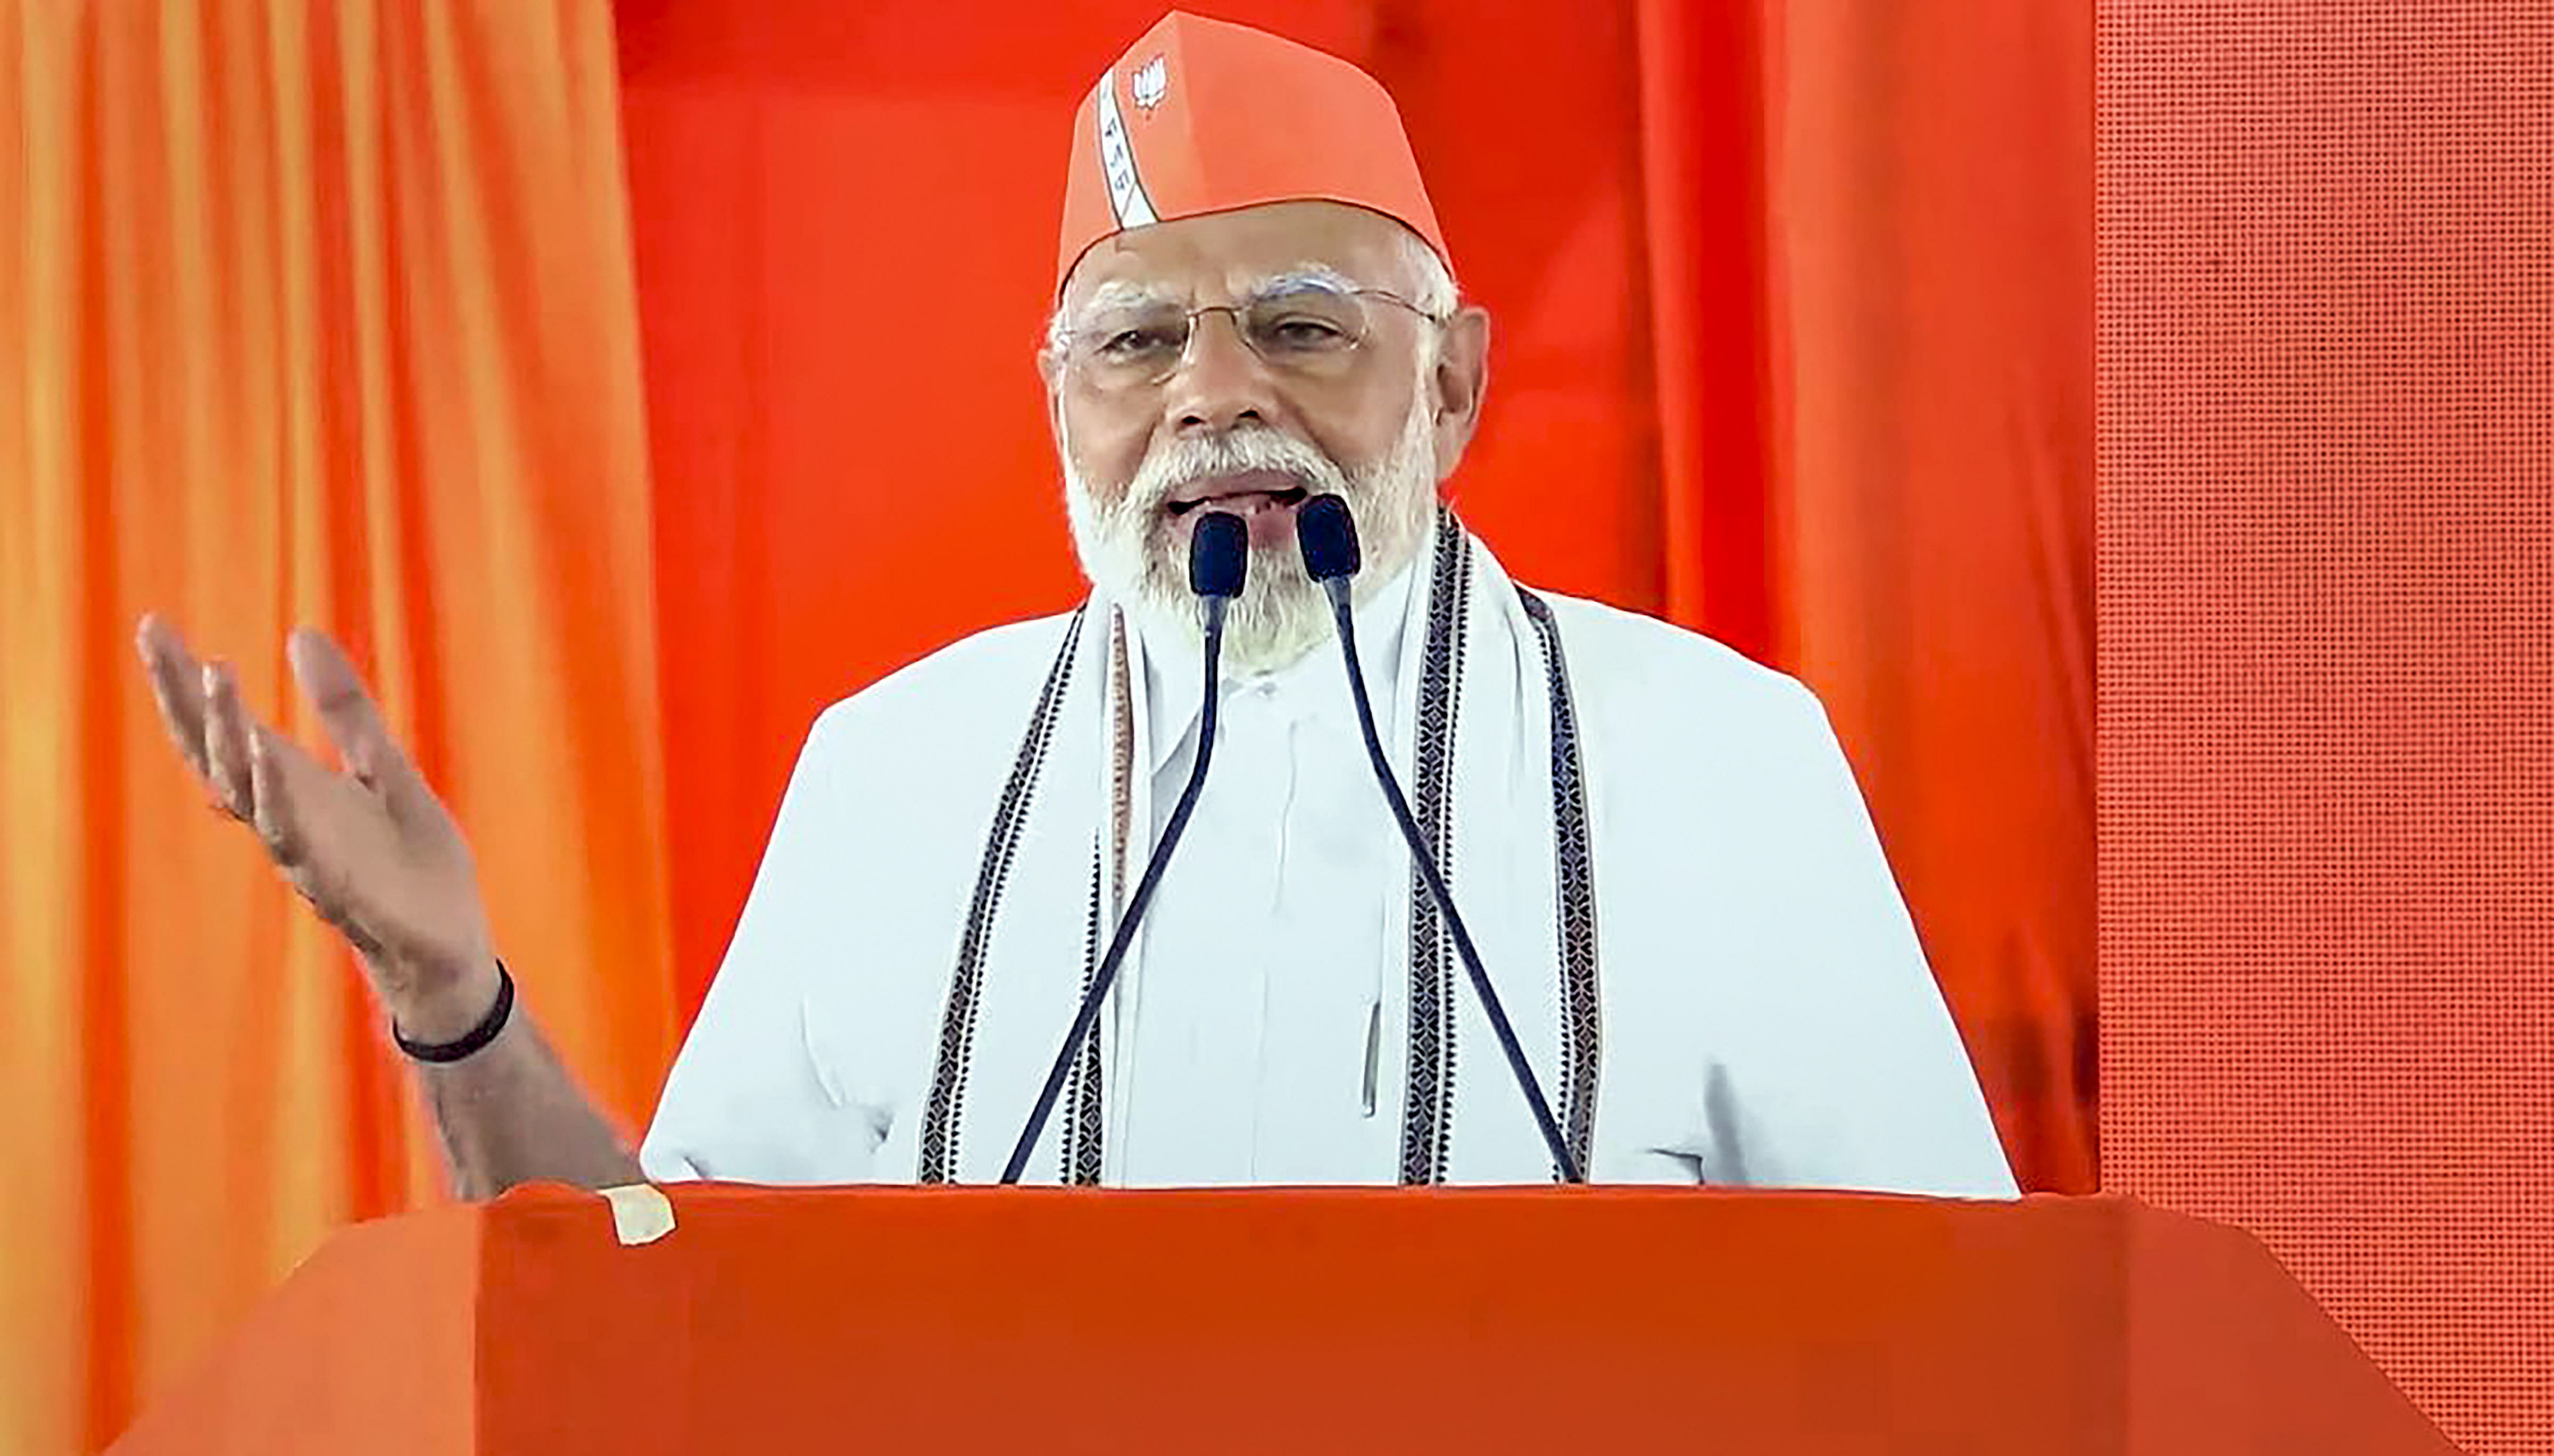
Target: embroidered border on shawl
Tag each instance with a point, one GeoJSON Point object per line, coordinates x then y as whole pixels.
{"type": "Point", "coordinates": [945, 1107]}
{"type": "Point", "coordinates": [1428, 1101]}
{"type": "Point", "coordinates": [1582, 1032]}
{"type": "Point", "coordinates": [1121, 760]}
{"type": "Point", "coordinates": [1082, 1100]}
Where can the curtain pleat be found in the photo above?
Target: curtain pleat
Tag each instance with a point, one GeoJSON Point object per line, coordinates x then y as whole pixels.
{"type": "Point", "coordinates": [318, 312]}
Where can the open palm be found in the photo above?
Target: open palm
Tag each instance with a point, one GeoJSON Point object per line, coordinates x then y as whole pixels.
{"type": "Point", "coordinates": [370, 846]}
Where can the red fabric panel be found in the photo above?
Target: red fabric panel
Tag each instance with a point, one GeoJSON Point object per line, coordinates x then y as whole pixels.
{"type": "Point", "coordinates": [1931, 495]}
{"type": "Point", "coordinates": [838, 216]}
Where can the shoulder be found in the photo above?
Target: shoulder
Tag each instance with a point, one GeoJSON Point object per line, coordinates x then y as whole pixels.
{"type": "Point", "coordinates": [895, 784]}
{"type": "Point", "coordinates": [1628, 667]}
{"type": "Point", "coordinates": [1689, 733]}
{"type": "Point", "coordinates": [973, 694]}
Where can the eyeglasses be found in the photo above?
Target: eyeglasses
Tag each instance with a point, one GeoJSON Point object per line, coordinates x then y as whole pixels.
{"type": "Point", "coordinates": [1309, 330]}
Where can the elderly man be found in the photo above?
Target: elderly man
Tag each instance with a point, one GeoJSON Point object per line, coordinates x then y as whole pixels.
{"type": "Point", "coordinates": [1673, 884]}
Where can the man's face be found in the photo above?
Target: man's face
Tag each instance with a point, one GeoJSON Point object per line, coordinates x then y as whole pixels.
{"type": "Point", "coordinates": [1312, 383]}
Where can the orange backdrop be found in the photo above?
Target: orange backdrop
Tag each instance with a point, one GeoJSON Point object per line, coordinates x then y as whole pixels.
{"type": "Point", "coordinates": [333, 311]}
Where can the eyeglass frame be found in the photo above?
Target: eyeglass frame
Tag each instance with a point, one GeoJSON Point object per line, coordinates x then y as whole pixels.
{"type": "Point", "coordinates": [1062, 340]}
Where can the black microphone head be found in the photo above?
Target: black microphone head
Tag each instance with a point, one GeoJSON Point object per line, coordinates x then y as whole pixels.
{"type": "Point", "coordinates": [1219, 554]}
{"type": "Point", "coordinates": [1327, 534]}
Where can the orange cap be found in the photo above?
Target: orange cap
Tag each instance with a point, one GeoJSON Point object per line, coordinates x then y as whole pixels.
{"type": "Point", "coordinates": [1203, 116]}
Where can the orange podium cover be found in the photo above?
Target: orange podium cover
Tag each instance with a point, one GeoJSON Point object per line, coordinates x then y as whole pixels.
{"type": "Point", "coordinates": [1562, 1319]}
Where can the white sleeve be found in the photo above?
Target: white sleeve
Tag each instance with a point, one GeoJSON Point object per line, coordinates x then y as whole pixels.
{"type": "Point", "coordinates": [748, 1101]}
{"type": "Point", "coordinates": [1872, 1088]}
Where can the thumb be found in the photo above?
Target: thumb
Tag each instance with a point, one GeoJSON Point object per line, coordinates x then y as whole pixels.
{"type": "Point", "coordinates": [347, 712]}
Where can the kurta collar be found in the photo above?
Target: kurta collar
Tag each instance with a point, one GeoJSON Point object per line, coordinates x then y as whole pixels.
{"type": "Point", "coordinates": [1171, 677]}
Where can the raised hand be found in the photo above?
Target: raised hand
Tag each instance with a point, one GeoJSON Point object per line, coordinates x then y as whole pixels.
{"type": "Point", "coordinates": [370, 846]}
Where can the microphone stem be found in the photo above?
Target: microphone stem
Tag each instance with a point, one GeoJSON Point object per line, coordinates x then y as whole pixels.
{"type": "Point", "coordinates": [1567, 1167]}
{"type": "Point", "coordinates": [1106, 974]}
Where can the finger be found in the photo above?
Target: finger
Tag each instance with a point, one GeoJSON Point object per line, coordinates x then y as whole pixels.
{"type": "Point", "coordinates": [346, 710]}
{"type": "Point", "coordinates": [280, 782]}
{"type": "Point", "coordinates": [226, 730]}
{"type": "Point", "coordinates": [176, 687]}
{"type": "Point", "coordinates": [292, 794]}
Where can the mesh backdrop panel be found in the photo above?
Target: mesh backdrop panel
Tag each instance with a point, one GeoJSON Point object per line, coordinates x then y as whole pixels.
{"type": "Point", "coordinates": [2326, 445]}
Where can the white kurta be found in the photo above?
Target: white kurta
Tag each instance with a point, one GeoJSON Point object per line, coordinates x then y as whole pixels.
{"type": "Point", "coordinates": [1258, 1003]}
{"type": "Point", "coordinates": [1768, 1015]}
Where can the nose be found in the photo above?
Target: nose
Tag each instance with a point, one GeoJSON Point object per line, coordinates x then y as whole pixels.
{"type": "Point", "coordinates": [1221, 382]}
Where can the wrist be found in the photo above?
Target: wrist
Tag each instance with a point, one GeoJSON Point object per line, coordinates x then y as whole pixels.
{"type": "Point", "coordinates": [446, 1008]}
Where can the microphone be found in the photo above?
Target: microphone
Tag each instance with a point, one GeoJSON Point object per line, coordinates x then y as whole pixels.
{"type": "Point", "coordinates": [1328, 535]}
{"type": "Point", "coordinates": [1219, 562]}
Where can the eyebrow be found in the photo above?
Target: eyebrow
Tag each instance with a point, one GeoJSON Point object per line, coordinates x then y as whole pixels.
{"type": "Point", "coordinates": [1131, 293]}
{"type": "Point", "coordinates": [1061, 325]}
{"type": "Point", "coordinates": [1301, 277]}
{"type": "Point", "coordinates": [1122, 294]}
{"type": "Point", "coordinates": [1128, 292]}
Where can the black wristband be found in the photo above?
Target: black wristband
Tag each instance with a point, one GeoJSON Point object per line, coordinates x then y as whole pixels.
{"type": "Point", "coordinates": [478, 1036]}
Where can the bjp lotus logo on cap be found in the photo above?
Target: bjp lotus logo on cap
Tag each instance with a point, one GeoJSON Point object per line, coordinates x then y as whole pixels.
{"type": "Point", "coordinates": [1152, 80]}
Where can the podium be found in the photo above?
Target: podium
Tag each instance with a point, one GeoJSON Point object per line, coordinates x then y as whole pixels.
{"type": "Point", "coordinates": [1562, 1319]}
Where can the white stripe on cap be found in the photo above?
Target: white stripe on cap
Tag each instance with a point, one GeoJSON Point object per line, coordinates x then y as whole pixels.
{"type": "Point", "coordinates": [1117, 161]}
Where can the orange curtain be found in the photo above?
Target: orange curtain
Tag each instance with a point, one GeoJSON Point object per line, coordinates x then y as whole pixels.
{"type": "Point", "coordinates": [311, 310]}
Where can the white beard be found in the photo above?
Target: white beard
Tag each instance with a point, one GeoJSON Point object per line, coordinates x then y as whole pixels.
{"type": "Point", "coordinates": [1135, 551]}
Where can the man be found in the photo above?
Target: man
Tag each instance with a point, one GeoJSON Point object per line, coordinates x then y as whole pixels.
{"type": "Point", "coordinates": [1656, 845]}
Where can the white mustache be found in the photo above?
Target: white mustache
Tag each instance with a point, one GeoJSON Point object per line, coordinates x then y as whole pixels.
{"type": "Point", "coordinates": [1199, 457]}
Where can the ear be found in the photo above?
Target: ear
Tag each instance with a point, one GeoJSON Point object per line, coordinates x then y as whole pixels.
{"type": "Point", "coordinates": [1459, 381]}
{"type": "Point", "coordinates": [1049, 367]}
{"type": "Point", "coordinates": [1050, 373]}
